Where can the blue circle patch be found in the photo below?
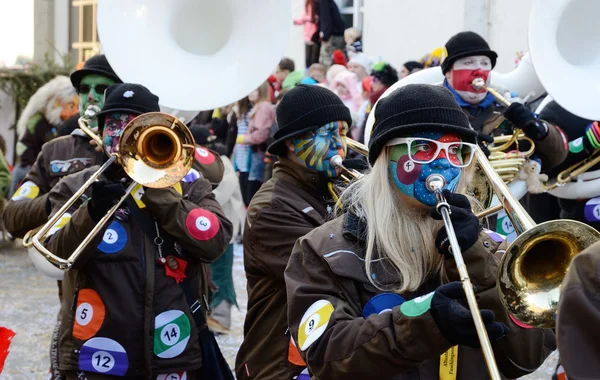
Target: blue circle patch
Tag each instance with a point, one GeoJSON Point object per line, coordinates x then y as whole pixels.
{"type": "Point", "coordinates": [381, 303]}
{"type": "Point", "coordinates": [114, 240]}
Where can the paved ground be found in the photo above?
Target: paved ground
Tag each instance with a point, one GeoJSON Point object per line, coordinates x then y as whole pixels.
{"type": "Point", "coordinates": [29, 304]}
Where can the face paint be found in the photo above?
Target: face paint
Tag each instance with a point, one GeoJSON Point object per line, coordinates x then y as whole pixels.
{"type": "Point", "coordinates": [113, 128]}
{"type": "Point", "coordinates": [316, 148]}
{"type": "Point", "coordinates": [410, 177]}
{"type": "Point", "coordinates": [68, 108]}
{"type": "Point", "coordinates": [91, 91]}
{"type": "Point", "coordinates": [467, 69]}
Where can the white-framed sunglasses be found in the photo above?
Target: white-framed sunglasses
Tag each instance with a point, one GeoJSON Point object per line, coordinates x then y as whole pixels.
{"type": "Point", "coordinates": [424, 151]}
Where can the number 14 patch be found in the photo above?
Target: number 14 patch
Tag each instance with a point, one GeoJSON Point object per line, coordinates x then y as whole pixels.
{"type": "Point", "coordinates": [171, 333]}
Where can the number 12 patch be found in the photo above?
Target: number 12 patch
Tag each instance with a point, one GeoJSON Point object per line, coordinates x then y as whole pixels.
{"type": "Point", "coordinates": [103, 355]}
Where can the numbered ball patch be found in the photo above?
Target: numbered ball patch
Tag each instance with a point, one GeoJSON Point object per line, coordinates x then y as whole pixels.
{"type": "Point", "coordinates": [136, 193]}
{"type": "Point", "coordinates": [204, 156]}
{"type": "Point", "coordinates": [28, 190]}
{"type": "Point", "coordinates": [417, 306]}
{"type": "Point", "coordinates": [191, 176]}
{"type": "Point", "coordinates": [114, 240]}
{"type": "Point", "coordinates": [592, 210]}
{"type": "Point", "coordinates": [313, 323]}
{"type": "Point", "coordinates": [173, 376]}
{"type": "Point", "coordinates": [103, 355]}
{"type": "Point", "coordinates": [202, 224]}
{"type": "Point", "coordinates": [171, 333]}
{"type": "Point", "coordinates": [89, 314]}
{"type": "Point", "coordinates": [60, 224]}
{"type": "Point", "coordinates": [407, 171]}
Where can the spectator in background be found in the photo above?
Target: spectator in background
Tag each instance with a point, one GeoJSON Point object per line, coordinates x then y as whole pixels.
{"type": "Point", "coordinates": [353, 39]}
{"type": "Point", "coordinates": [332, 72]}
{"type": "Point", "coordinates": [338, 58]}
{"type": "Point", "coordinates": [410, 67]}
{"type": "Point", "coordinates": [331, 30]}
{"type": "Point", "coordinates": [311, 31]}
{"type": "Point", "coordinates": [316, 74]}
{"type": "Point", "coordinates": [4, 172]}
{"type": "Point", "coordinates": [344, 85]}
{"type": "Point", "coordinates": [361, 65]}
{"type": "Point", "coordinates": [434, 58]}
{"type": "Point", "coordinates": [384, 76]}
{"type": "Point", "coordinates": [254, 130]}
{"type": "Point", "coordinates": [283, 69]}
{"type": "Point", "coordinates": [292, 80]}
{"type": "Point", "coordinates": [364, 109]}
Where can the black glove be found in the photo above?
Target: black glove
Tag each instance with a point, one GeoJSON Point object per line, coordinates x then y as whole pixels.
{"type": "Point", "coordinates": [523, 118]}
{"type": "Point", "coordinates": [466, 225]}
{"type": "Point", "coordinates": [484, 137]}
{"type": "Point", "coordinates": [360, 164]}
{"type": "Point", "coordinates": [456, 322]}
{"type": "Point", "coordinates": [104, 195]}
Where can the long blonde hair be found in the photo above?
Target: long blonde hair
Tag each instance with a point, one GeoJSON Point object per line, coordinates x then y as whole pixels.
{"type": "Point", "coordinates": [398, 237]}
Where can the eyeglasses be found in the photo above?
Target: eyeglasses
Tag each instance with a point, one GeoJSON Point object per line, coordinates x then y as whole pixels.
{"type": "Point", "coordinates": [423, 151]}
{"type": "Point", "coordinates": [85, 88]}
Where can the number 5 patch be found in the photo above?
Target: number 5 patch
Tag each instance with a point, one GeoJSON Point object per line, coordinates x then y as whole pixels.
{"type": "Point", "coordinates": [314, 323]}
{"type": "Point", "coordinates": [89, 314]}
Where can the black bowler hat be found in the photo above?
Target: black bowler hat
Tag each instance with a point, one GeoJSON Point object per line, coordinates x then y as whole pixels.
{"type": "Point", "coordinates": [306, 108]}
{"type": "Point", "coordinates": [127, 97]}
{"type": "Point", "coordinates": [97, 64]}
{"type": "Point", "coordinates": [415, 108]}
{"type": "Point", "coordinates": [466, 44]}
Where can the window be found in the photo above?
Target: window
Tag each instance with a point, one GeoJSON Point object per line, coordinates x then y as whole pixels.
{"type": "Point", "coordinates": [86, 45]}
{"type": "Point", "coordinates": [352, 12]}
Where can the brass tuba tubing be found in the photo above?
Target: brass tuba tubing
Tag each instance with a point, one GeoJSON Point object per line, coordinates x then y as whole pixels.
{"type": "Point", "coordinates": [435, 183]}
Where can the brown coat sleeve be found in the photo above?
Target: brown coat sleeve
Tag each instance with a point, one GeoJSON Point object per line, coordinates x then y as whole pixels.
{"type": "Point", "coordinates": [521, 351]}
{"type": "Point", "coordinates": [553, 149]}
{"type": "Point", "coordinates": [196, 220]}
{"type": "Point", "coordinates": [352, 347]}
{"type": "Point", "coordinates": [579, 316]}
{"type": "Point", "coordinates": [23, 215]}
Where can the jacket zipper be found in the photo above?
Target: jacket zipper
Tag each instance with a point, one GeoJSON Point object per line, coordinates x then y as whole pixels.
{"type": "Point", "coordinates": [75, 296]}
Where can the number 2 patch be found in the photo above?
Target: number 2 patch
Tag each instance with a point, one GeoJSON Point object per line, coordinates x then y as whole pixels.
{"type": "Point", "coordinates": [89, 314]}
{"type": "Point", "coordinates": [314, 323]}
{"type": "Point", "coordinates": [114, 240]}
{"type": "Point", "coordinates": [103, 355]}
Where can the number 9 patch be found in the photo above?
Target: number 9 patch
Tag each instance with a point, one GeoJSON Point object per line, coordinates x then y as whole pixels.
{"type": "Point", "coordinates": [314, 323]}
{"type": "Point", "coordinates": [89, 314]}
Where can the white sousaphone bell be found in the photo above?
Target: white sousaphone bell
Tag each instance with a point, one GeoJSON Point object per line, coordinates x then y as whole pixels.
{"type": "Point", "coordinates": [194, 55]}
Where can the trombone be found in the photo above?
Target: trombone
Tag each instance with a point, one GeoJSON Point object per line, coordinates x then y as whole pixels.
{"type": "Point", "coordinates": [155, 150]}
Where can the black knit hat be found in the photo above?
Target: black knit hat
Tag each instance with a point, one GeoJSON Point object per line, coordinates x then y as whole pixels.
{"type": "Point", "coordinates": [386, 74]}
{"type": "Point", "coordinates": [97, 64]}
{"type": "Point", "coordinates": [127, 97]}
{"type": "Point", "coordinates": [306, 108]}
{"type": "Point", "coordinates": [412, 65]}
{"type": "Point", "coordinates": [466, 44]}
{"type": "Point", "coordinates": [413, 108]}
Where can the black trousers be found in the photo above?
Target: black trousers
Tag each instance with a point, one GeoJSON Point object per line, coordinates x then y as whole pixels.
{"type": "Point", "coordinates": [248, 188]}
{"type": "Point", "coordinates": [311, 53]}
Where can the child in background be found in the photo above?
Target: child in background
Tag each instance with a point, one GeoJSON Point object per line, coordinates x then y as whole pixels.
{"type": "Point", "coordinates": [353, 39]}
{"type": "Point", "coordinates": [316, 74]}
{"type": "Point", "coordinates": [344, 85]}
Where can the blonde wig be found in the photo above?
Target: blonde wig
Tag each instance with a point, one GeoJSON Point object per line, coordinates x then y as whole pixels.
{"type": "Point", "coordinates": [399, 239]}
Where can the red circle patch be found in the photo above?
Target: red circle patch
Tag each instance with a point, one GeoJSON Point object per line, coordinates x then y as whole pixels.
{"type": "Point", "coordinates": [89, 314]}
{"type": "Point", "coordinates": [202, 224]}
{"type": "Point", "coordinates": [204, 156]}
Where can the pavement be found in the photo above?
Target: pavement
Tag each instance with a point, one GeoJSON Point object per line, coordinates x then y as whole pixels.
{"type": "Point", "coordinates": [29, 305]}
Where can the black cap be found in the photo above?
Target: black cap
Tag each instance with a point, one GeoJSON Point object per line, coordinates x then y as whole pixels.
{"type": "Point", "coordinates": [466, 44]}
{"type": "Point", "coordinates": [306, 108]}
{"type": "Point", "coordinates": [386, 74]}
{"type": "Point", "coordinates": [413, 65]}
{"type": "Point", "coordinates": [127, 97]}
{"type": "Point", "coordinates": [417, 107]}
{"type": "Point", "coordinates": [97, 64]}
{"type": "Point", "coordinates": [202, 134]}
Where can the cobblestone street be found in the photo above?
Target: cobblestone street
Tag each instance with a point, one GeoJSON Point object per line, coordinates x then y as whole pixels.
{"type": "Point", "coordinates": [29, 305]}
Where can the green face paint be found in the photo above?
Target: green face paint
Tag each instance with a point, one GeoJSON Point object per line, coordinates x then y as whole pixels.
{"type": "Point", "coordinates": [91, 91]}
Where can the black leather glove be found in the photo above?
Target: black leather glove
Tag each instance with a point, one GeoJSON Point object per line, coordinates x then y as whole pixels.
{"type": "Point", "coordinates": [466, 225]}
{"type": "Point", "coordinates": [456, 322]}
{"type": "Point", "coordinates": [104, 195]}
{"type": "Point", "coordinates": [484, 137]}
{"type": "Point", "coordinates": [522, 117]}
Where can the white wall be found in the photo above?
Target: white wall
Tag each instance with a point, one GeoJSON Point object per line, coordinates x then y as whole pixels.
{"type": "Point", "coordinates": [403, 30]}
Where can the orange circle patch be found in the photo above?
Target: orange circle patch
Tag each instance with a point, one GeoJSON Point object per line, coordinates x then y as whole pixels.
{"type": "Point", "coordinates": [89, 314]}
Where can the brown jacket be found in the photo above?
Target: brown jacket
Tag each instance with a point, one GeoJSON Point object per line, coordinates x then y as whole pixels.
{"type": "Point", "coordinates": [286, 207]}
{"type": "Point", "coordinates": [328, 265]}
{"type": "Point", "coordinates": [577, 331]}
{"type": "Point", "coordinates": [552, 150]}
{"type": "Point", "coordinates": [117, 297]}
{"type": "Point", "coordinates": [58, 158]}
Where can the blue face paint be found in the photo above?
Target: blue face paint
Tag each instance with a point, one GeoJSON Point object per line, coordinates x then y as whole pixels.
{"type": "Point", "coordinates": [410, 177]}
{"type": "Point", "coordinates": [316, 148]}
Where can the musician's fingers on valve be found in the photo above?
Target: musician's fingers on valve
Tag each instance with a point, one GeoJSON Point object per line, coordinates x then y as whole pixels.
{"type": "Point", "coordinates": [455, 321]}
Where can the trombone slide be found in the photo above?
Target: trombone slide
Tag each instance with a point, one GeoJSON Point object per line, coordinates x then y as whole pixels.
{"type": "Point", "coordinates": [443, 208]}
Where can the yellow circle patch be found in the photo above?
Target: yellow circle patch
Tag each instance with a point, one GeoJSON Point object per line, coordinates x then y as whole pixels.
{"type": "Point", "coordinates": [28, 190]}
{"type": "Point", "coordinates": [314, 323]}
